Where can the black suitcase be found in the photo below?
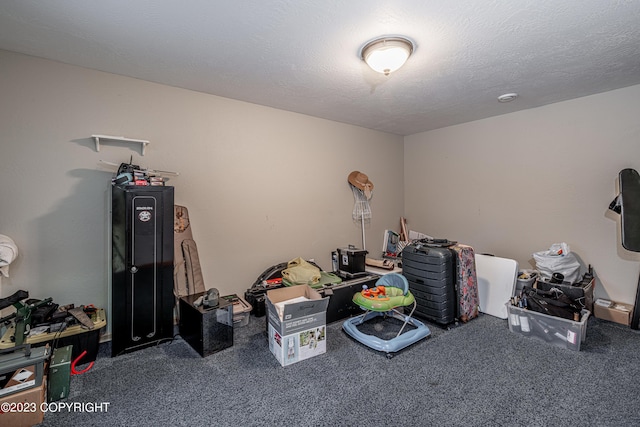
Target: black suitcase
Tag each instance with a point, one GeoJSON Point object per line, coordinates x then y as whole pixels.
{"type": "Point", "coordinates": [432, 275]}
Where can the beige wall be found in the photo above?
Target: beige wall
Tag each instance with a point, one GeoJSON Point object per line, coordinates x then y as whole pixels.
{"type": "Point", "coordinates": [514, 184]}
{"type": "Point", "coordinates": [262, 185]}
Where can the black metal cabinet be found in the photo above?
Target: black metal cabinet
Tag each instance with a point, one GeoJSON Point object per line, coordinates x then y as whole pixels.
{"type": "Point", "coordinates": [142, 298]}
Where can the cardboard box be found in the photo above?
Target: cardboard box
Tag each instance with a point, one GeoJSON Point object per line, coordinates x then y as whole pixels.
{"type": "Point", "coordinates": [21, 368]}
{"type": "Point", "coordinates": [613, 311]}
{"type": "Point", "coordinates": [25, 407]}
{"type": "Point", "coordinates": [297, 323]}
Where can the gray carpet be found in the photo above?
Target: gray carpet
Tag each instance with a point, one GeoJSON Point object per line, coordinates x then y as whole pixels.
{"type": "Point", "coordinates": [476, 374]}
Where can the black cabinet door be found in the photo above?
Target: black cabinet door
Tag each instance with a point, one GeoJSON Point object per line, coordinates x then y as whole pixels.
{"type": "Point", "coordinates": [142, 266]}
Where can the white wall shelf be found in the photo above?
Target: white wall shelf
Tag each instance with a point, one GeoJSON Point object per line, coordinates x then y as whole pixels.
{"type": "Point", "coordinates": [106, 138]}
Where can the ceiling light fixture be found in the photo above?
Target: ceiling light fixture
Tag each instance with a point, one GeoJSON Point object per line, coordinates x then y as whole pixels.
{"type": "Point", "coordinates": [507, 97]}
{"type": "Point", "coordinates": [386, 54]}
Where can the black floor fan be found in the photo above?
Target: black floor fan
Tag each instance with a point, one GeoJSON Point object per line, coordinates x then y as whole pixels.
{"type": "Point", "coordinates": [627, 204]}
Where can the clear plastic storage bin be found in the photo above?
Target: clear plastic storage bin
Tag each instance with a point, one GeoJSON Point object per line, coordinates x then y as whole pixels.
{"type": "Point", "coordinates": [553, 330]}
{"type": "Point", "coordinates": [241, 310]}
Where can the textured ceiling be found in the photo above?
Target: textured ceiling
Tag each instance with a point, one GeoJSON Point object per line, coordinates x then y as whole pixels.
{"type": "Point", "coordinates": [302, 55]}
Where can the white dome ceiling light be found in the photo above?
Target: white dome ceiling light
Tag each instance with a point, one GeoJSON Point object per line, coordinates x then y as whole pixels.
{"type": "Point", "coordinates": [386, 54]}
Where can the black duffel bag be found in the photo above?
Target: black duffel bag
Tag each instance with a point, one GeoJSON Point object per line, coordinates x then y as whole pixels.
{"type": "Point", "coordinates": [553, 302]}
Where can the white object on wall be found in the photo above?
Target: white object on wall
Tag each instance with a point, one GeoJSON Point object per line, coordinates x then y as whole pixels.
{"type": "Point", "coordinates": [142, 142]}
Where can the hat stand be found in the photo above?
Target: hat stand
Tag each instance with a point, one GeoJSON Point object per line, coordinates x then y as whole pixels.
{"type": "Point", "coordinates": [361, 210]}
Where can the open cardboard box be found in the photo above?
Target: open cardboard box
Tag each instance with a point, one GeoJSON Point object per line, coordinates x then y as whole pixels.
{"type": "Point", "coordinates": [297, 323]}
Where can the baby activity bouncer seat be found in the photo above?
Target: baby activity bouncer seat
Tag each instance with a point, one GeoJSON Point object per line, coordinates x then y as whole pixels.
{"type": "Point", "coordinates": [390, 293]}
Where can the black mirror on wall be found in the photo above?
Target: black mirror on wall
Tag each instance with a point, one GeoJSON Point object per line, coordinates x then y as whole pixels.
{"type": "Point", "coordinates": [627, 204]}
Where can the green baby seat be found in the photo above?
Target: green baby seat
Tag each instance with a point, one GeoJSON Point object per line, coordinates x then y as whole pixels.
{"type": "Point", "coordinates": [391, 291]}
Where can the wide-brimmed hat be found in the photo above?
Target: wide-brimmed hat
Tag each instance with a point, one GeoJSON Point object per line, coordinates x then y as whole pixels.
{"type": "Point", "coordinates": [361, 182]}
